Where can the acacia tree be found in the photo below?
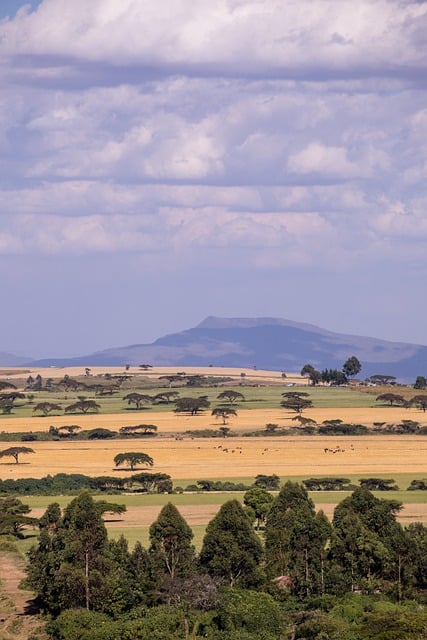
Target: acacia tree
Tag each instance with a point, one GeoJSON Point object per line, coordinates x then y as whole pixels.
{"type": "Point", "coordinates": [47, 407]}
{"type": "Point", "coordinates": [132, 459]}
{"type": "Point", "coordinates": [419, 401]}
{"type": "Point", "coordinates": [83, 406]}
{"type": "Point", "coordinates": [191, 405]}
{"type": "Point", "coordinates": [6, 385]}
{"type": "Point", "coordinates": [15, 452]}
{"type": "Point", "coordinates": [166, 397]}
{"type": "Point", "coordinates": [138, 399]}
{"type": "Point", "coordinates": [138, 429]}
{"type": "Point", "coordinates": [231, 396]}
{"type": "Point", "coordinates": [13, 516]}
{"type": "Point", "coordinates": [392, 398]}
{"type": "Point", "coordinates": [296, 401]}
{"type": "Point", "coordinates": [224, 413]}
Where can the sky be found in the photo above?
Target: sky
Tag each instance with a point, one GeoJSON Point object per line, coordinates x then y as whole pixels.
{"type": "Point", "coordinates": [165, 161]}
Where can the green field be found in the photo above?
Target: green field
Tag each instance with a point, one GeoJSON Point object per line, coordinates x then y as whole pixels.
{"type": "Point", "coordinates": [266, 397]}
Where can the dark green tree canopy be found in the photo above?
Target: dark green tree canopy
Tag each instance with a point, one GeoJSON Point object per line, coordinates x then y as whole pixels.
{"type": "Point", "coordinates": [308, 371]}
{"type": "Point", "coordinates": [15, 452]}
{"type": "Point", "coordinates": [231, 396]}
{"type": "Point", "coordinates": [171, 551]}
{"type": "Point", "coordinates": [132, 458]}
{"type": "Point", "coordinates": [83, 406]}
{"type": "Point", "coordinates": [420, 382]}
{"type": "Point", "coordinates": [47, 407]}
{"type": "Point", "coordinates": [191, 405]}
{"type": "Point", "coordinates": [392, 398]}
{"type": "Point", "coordinates": [351, 367]}
{"type": "Point", "coordinates": [296, 401]}
{"type": "Point", "coordinates": [231, 549]}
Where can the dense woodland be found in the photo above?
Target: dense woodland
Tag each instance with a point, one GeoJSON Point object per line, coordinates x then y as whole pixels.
{"type": "Point", "coordinates": [271, 569]}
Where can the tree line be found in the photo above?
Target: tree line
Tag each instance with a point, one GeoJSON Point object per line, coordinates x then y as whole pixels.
{"type": "Point", "coordinates": [240, 585]}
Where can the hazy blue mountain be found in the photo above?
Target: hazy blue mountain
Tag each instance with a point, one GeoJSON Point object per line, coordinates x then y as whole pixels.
{"type": "Point", "coordinates": [267, 343]}
{"type": "Point", "coordinates": [9, 360]}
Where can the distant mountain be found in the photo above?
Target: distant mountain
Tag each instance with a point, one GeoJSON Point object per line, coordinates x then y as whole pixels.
{"type": "Point", "coordinates": [267, 343]}
{"type": "Point", "coordinates": [9, 360]}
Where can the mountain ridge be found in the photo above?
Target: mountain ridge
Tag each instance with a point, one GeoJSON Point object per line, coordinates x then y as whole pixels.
{"type": "Point", "coordinates": [268, 343]}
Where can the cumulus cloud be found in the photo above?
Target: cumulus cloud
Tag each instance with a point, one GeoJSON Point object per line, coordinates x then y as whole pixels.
{"type": "Point", "coordinates": [252, 37]}
{"type": "Point", "coordinates": [271, 128]}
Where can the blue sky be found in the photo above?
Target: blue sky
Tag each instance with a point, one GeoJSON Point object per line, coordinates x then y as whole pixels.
{"type": "Point", "coordinates": [161, 162]}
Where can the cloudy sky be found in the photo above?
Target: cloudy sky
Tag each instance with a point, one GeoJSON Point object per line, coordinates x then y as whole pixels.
{"type": "Point", "coordinates": [165, 161]}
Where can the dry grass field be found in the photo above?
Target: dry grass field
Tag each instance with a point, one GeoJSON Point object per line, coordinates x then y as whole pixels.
{"type": "Point", "coordinates": [246, 420]}
{"type": "Point", "coordinates": [231, 457]}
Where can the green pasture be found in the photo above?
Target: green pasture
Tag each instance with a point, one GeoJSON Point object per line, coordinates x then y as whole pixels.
{"type": "Point", "coordinates": [261, 397]}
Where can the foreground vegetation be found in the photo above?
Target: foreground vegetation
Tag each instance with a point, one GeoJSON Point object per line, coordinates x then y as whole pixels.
{"type": "Point", "coordinates": [360, 577]}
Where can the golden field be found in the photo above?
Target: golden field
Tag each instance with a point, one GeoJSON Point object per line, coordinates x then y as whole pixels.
{"type": "Point", "coordinates": [230, 458]}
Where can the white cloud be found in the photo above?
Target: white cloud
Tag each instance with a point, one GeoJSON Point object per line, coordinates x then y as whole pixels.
{"type": "Point", "coordinates": [251, 37]}
{"type": "Point", "coordinates": [331, 162]}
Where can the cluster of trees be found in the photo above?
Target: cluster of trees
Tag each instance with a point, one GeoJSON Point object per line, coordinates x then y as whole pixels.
{"type": "Point", "coordinates": [63, 483]}
{"type": "Point", "coordinates": [237, 586]}
{"type": "Point", "coordinates": [395, 399]}
{"type": "Point", "coordinates": [350, 368]}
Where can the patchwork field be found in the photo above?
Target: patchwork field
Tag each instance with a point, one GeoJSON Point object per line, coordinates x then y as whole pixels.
{"type": "Point", "coordinates": [188, 458]}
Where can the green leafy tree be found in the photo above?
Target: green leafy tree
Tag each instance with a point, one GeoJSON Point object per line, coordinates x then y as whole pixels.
{"type": "Point", "coordinates": [351, 367]}
{"type": "Point", "coordinates": [70, 565]}
{"type": "Point", "coordinates": [379, 484]}
{"type": "Point", "coordinates": [171, 551]}
{"type": "Point", "coordinates": [295, 540]}
{"type": "Point", "coordinates": [15, 452]}
{"type": "Point", "coordinates": [267, 482]}
{"type": "Point", "coordinates": [420, 382]}
{"type": "Point", "coordinates": [366, 544]}
{"type": "Point", "coordinates": [13, 516]}
{"type": "Point", "coordinates": [333, 377]}
{"type": "Point", "coordinates": [259, 502]}
{"type": "Point", "coordinates": [131, 459]}
{"type": "Point", "coordinates": [231, 549]}
{"type": "Point", "coordinates": [250, 615]}
{"type": "Point", "coordinates": [191, 405]}
{"type": "Point", "coordinates": [308, 371]}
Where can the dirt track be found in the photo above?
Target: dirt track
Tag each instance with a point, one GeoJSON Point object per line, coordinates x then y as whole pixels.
{"type": "Point", "coordinates": [18, 621]}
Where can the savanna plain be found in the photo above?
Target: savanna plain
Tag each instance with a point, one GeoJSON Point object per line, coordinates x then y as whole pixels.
{"type": "Point", "coordinates": [257, 437]}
